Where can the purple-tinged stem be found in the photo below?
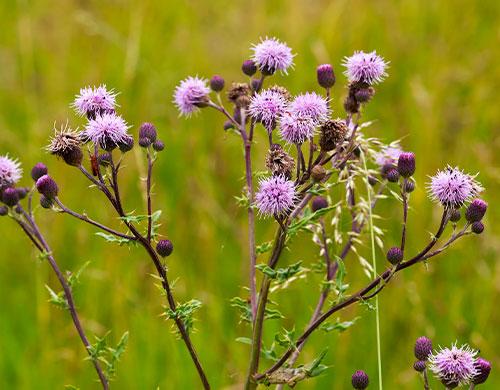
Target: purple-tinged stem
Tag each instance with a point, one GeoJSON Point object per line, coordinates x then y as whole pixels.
{"type": "Point", "coordinates": [148, 194]}
{"type": "Point", "coordinates": [426, 380]}
{"type": "Point", "coordinates": [43, 247]}
{"type": "Point", "coordinates": [405, 214]}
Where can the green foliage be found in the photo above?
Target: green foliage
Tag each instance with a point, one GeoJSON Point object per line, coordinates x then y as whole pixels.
{"type": "Point", "coordinates": [116, 240]}
{"type": "Point", "coordinates": [281, 275]}
{"type": "Point", "coordinates": [243, 307]}
{"type": "Point", "coordinates": [108, 356]}
{"type": "Point", "coordinates": [339, 326]}
{"type": "Point", "coordinates": [184, 312]}
{"type": "Point", "coordinates": [307, 218]}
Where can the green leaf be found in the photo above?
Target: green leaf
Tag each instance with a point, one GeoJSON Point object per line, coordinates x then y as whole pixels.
{"type": "Point", "coordinates": [185, 313]}
{"type": "Point", "coordinates": [338, 326]}
{"type": "Point", "coordinates": [264, 247]}
{"type": "Point", "coordinates": [281, 275]}
{"type": "Point", "coordinates": [286, 338]}
{"type": "Point", "coordinates": [243, 307]}
{"type": "Point", "coordinates": [244, 340]}
{"type": "Point", "coordinates": [114, 239]}
{"type": "Point", "coordinates": [57, 299]}
{"type": "Point", "coordinates": [74, 278]}
{"type": "Point", "coordinates": [308, 218]}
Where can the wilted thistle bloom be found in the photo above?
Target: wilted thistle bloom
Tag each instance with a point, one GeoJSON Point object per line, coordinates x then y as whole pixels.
{"type": "Point", "coordinates": [364, 67]}
{"type": "Point", "coordinates": [312, 105]}
{"type": "Point", "coordinates": [93, 101]}
{"type": "Point", "coordinates": [454, 365]}
{"type": "Point", "coordinates": [266, 107]}
{"type": "Point", "coordinates": [271, 55]}
{"type": "Point", "coordinates": [191, 94]}
{"type": "Point", "coordinates": [107, 131]}
{"type": "Point", "coordinates": [452, 187]}
{"type": "Point", "coordinates": [10, 171]}
{"type": "Point", "coordinates": [276, 196]}
{"type": "Point", "coordinates": [66, 144]}
{"type": "Point", "coordinates": [296, 129]}
{"type": "Point", "coordinates": [279, 162]}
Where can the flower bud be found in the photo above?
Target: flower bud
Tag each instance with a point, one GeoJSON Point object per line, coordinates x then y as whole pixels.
{"type": "Point", "coordinates": [18, 209]}
{"type": "Point", "coordinates": [45, 202]}
{"type": "Point", "coordinates": [423, 348]}
{"type": "Point", "coordinates": [325, 75]}
{"type": "Point", "coordinates": [406, 164]}
{"type": "Point", "coordinates": [158, 145]}
{"type": "Point", "coordinates": [105, 159]}
{"type": "Point", "coordinates": [228, 125]}
{"type": "Point", "coordinates": [360, 380]}
{"type": "Point", "coordinates": [147, 130]}
{"type": "Point", "coordinates": [392, 175]}
{"type": "Point", "coordinates": [249, 67]}
{"type": "Point", "coordinates": [47, 186]}
{"type": "Point", "coordinates": [22, 192]}
{"type": "Point", "coordinates": [255, 84]}
{"type": "Point", "coordinates": [449, 383]}
{"type": "Point", "coordinates": [144, 142]}
{"type": "Point", "coordinates": [363, 95]}
{"type": "Point", "coordinates": [455, 215]}
{"type": "Point", "coordinates": [217, 83]}
{"type": "Point", "coordinates": [372, 180]}
{"type": "Point", "coordinates": [164, 248]}
{"type": "Point", "coordinates": [10, 196]}
{"type": "Point", "coordinates": [351, 105]}
{"type": "Point", "coordinates": [38, 171]}
{"type": "Point", "coordinates": [394, 256]}
{"type": "Point", "coordinates": [318, 173]}
{"type": "Point", "coordinates": [476, 210]}
{"type": "Point", "coordinates": [409, 186]}
{"type": "Point", "coordinates": [477, 227]}
{"type": "Point", "coordinates": [318, 203]}
{"type": "Point", "coordinates": [483, 368]}
{"type": "Point", "coordinates": [3, 211]}
{"type": "Point", "coordinates": [126, 145]}
{"type": "Point", "coordinates": [419, 365]}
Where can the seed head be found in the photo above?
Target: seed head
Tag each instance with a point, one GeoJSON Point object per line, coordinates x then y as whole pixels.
{"type": "Point", "coordinates": [332, 133]}
{"type": "Point", "coordinates": [65, 143]}
{"type": "Point", "coordinates": [365, 67]}
{"type": "Point", "coordinates": [476, 210]}
{"type": "Point", "coordinates": [164, 248]}
{"type": "Point", "coordinates": [360, 380]}
{"type": "Point", "coordinates": [282, 91]}
{"type": "Point", "coordinates": [190, 95]}
{"type": "Point", "coordinates": [240, 94]}
{"type": "Point", "coordinates": [279, 162]}
{"type": "Point", "coordinates": [10, 171]}
{"type": "Point", "coordinates": [47, 186]}
{"type": "Point", "coordinates": [318, 173]}
{"type": "Point", "coordinates": [271, 55]}
{"type": "Point", "coordinates": [276, 196]}
{"type": "Point", "coordinates": [325, 75]}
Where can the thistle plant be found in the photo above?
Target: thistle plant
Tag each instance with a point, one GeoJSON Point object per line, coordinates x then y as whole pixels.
{"type": "Point", "coordinates": [321, 169]}
{"type": "Point", "coordinates": [319, 184]}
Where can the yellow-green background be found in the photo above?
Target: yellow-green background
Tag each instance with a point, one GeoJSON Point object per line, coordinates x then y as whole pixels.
{"type": "Point", "coordinates": [441, 97]}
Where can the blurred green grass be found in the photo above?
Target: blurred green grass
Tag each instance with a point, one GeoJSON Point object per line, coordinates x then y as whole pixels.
{"type": "Point", "coordinates": [440, 98]}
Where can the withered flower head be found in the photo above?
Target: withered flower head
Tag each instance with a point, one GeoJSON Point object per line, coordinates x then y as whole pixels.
{"type": "Point", "coordinates": [333, 132]}
{"type": "Point", "coordinates": [279, 162]}
{"type": "Point", "coordinates": [240, 94]}
{"type": "Point", "coordinates": [65, 143]}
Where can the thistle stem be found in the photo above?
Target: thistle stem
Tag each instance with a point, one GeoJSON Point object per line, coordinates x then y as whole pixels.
{"type": "Point", "coordinates": [148, 194]}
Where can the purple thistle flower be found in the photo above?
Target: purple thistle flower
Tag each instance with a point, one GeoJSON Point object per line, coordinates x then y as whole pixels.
{"type": "Point", "coordinates": [483, 368]}
{"type": "Point", "coordinates": [296, 129]}
{"type": "Point", "coordinates": [94, 100]}
{"type": "Point", "coordinates": [276, 196]}
{"type": "Point", "coordinates": [452, 187]}
{"type": "Point", "coordinates": [454, 365]}
{"type": "Point", "coordinates": [388, 156]}
{"type": "Point", "coordinates": [10, 171]}
{"type": "Point", "coordinates": [267, 106]}
{"type": "Point", "coordinates": [364, 67]}
{"type": "Point", "coordinates": [190, 94]}
{"type": "Point", "coordinates": [312, 105]}
{"type": "Point", "coordinates": [271, 55]}
{"type": "Point", "coordinates": [106, 131]}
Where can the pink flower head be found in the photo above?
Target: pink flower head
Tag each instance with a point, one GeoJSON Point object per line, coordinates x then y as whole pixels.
{"type": "Point", "coordinates": [276, 196]}
{"type": "Point", "coordinates": [93, 101]}
{"type": "Point", "coordinates": [452, 187]}
{"type": "Point", "coordinates": [296, 129]}
{"type": "Point", "coordinates": [271, 55]}
{"type": "Point", "coordinates": [388, 156]}
{"type": "Point", "coordinates": [454, 365]}
{"type": "Point", "coordinates": [190, 94]}
{"type": "Point", "coordinates": [107, 131]}
{"type": "Point", "coordinates": [10, 171]}
{"type": "Point", "coordinates": [365, 67]}
{"type": "Point", "coordinates": [312, 105]}
{"type": "Point", "coordinates": [267, 106]}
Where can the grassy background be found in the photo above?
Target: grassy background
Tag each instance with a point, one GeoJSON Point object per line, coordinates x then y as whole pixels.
{"type": "Point", "coordinates": [440, 98]}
